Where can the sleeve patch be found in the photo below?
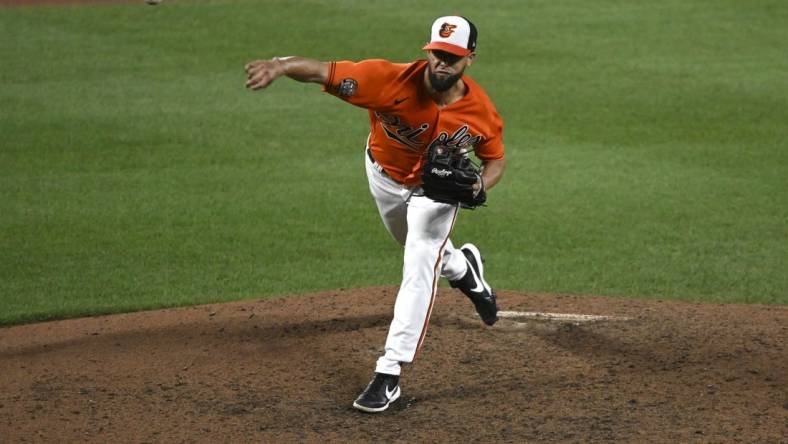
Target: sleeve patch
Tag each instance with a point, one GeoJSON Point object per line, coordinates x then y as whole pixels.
{"type": "Point", "coordinates": [347, 87]}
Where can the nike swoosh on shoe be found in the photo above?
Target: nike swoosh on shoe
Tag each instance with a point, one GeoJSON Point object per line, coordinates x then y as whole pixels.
{"type": "Point", "coordinates": [479, 286]}
{"type": "Point", "coordinates": [389, 393]}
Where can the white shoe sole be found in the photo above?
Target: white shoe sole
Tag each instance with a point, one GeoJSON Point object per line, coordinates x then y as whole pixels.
{"type": "Point", "coordinates": [394, 397]}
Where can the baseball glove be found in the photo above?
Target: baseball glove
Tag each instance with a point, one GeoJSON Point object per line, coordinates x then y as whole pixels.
{"type": "Point", "coordinates": [449, 175]}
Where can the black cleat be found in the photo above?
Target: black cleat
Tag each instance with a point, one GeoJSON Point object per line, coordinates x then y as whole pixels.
{"type": "Point", "coordinates": [475, 287]}
{"type": "Point", "coordinates": [381, 391]}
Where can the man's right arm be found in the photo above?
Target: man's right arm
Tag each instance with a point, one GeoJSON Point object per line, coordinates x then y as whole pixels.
{"type": "Point", "coordinates": [260, 73]}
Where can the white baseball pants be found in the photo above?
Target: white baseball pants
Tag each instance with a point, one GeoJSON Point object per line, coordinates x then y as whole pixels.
{"type": "Point", "coordinates": [422, 226]}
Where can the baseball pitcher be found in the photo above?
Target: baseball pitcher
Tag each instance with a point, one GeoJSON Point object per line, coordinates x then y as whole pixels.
{"type": "Point", "coordinates": [427, 118]}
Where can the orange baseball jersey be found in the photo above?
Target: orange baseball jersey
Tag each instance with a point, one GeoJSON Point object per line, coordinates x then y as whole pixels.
{"type": "Point", "coordinates": [404, 119]}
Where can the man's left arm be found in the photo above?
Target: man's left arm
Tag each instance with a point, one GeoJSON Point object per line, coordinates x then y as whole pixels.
{"type": "Point", "coordinates": [492, 171]}
{"type": "Point", "coordinates": [491, 152]}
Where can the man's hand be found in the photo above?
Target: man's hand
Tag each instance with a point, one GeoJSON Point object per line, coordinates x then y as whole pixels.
{"type": "Point", "coordinates": [260, 73]}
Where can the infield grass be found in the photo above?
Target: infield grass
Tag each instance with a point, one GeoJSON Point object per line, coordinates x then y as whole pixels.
{"type": "Point", "coordinates": [646, 144]}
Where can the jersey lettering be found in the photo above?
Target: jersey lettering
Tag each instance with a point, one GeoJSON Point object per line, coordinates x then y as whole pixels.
{"type": "Point", "coordinates": [461, 140]}
{"type": "Point", "coordinates": [400, 131]}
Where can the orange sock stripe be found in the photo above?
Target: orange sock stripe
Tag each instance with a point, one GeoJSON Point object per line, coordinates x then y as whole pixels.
{"type": "Point", "coordinates": [435, 276]}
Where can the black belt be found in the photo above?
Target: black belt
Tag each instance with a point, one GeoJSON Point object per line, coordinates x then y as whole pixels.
{"type": "Point", "coordinates": [375, 163]}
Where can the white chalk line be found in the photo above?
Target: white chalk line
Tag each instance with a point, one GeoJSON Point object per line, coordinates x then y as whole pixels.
{"type": "Point", "coordinates": [569, 317]}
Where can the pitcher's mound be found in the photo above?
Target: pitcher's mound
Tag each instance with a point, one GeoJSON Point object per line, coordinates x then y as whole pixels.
{"type": "Point", "coordinates": [556, 368]}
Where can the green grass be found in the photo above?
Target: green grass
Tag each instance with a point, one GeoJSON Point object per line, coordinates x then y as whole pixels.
{"type": "Point", "coordinates": [647, 147]}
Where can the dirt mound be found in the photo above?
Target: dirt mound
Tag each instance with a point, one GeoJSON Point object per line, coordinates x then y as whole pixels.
{"type": "Point", "coordinates": [289, 369]}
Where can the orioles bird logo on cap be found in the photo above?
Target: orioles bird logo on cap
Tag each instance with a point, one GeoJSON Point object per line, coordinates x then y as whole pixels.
{"type": "Point", "coordinates": [446, 30]}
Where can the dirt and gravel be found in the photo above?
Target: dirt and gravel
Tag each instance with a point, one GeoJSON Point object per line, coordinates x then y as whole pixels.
{"type": "Point", "coordinates": [288, 369]}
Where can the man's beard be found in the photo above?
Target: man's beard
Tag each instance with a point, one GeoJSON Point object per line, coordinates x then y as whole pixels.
{"type": "Point", "coordinates": [443, 85]}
